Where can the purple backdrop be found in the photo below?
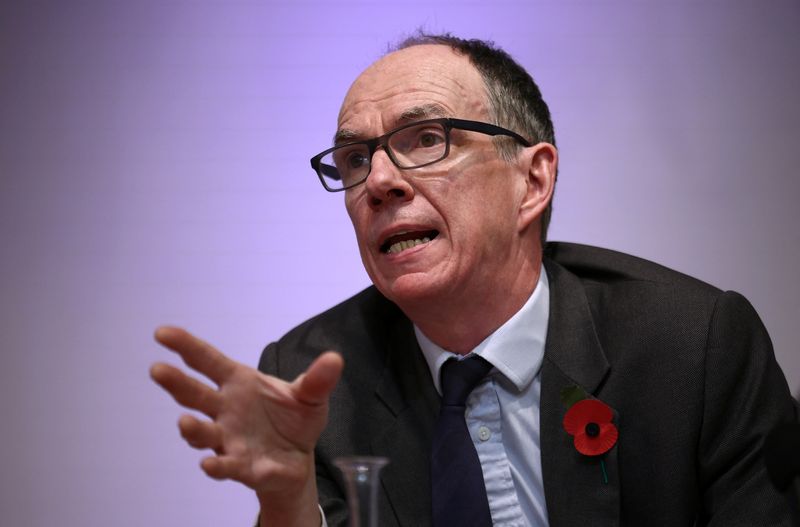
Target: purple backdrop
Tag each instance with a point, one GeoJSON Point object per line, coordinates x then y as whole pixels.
{"type": "Point", "coordinates": [154, 168]}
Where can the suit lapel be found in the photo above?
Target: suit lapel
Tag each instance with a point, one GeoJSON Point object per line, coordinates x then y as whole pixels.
{"type": "Point", "coordinates": [575, 491]}
{"type": "Point", "coordinates": [406, 408]}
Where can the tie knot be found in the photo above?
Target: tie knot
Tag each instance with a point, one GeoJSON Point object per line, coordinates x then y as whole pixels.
{"type": "Point", "coordinates": [459, 378]}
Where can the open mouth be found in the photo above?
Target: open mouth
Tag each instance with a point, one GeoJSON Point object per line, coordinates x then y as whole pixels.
{"type": "Point", "coordinates": [406, 240]}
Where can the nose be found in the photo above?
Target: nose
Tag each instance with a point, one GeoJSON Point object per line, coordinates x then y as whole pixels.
{"type": "Point", "coordinates": [386, 182]}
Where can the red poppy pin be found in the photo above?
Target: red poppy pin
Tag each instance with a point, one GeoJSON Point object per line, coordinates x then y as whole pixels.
{"type": "Point", "coordinates": [589, 422]}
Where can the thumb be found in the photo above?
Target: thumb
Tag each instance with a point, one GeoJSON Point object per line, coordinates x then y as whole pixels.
{"type": "Point", "coordinates": [314, 386]}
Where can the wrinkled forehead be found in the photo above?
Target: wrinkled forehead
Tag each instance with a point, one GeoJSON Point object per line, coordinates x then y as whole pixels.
{"type": "Point", "coordinates": [412, 84]}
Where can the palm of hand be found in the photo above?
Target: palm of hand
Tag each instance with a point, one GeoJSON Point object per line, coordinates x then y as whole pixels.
{"type": "Point", "coordinates": [262, 429]}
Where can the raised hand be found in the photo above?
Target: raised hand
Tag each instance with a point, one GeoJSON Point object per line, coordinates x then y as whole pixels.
{"type": "Point", "coordinates": [262, 429]}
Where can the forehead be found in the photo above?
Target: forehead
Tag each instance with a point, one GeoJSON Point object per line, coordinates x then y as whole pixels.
{"type": "Point", "coordinates": [413, 82]}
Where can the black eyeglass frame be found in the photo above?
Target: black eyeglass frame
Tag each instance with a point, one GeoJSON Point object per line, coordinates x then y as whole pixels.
{"type": "Point", "coordinates": [373, 144]}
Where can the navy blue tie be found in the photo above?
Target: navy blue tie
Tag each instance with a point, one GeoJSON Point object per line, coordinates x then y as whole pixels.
{"type": "Point", "coordinates": [458, 492]}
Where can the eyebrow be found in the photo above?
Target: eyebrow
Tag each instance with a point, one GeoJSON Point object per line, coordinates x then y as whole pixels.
{"type": "Point", "coordinates": [345, 135]}
{"type": "Point", "coordinates": [415, 113]}
{"type": "Point", "coordinates": [418, 113]}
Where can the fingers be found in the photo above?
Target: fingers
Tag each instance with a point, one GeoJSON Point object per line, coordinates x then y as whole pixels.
{"type": "Point", "coordinates": [239, 469]}
{"type": "Point", "coordinates": [315, 385]}
{"type": "Point", "coordinates": [187, 391]}
{"type": "Point", "coordinates": [196, 353]}
{"type": "Point", "coordinates": [222, 467]}
{"type": "Point", "coordinates": [200, 434]}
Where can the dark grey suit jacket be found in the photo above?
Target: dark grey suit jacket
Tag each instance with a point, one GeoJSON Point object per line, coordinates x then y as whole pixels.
{"type": "Point", "coordinates": [688, 369]}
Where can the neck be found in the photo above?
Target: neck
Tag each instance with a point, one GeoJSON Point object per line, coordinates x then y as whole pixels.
{"type": "Point", "coordinates": [462, 321]}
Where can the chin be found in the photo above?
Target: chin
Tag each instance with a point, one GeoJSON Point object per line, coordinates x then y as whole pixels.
{"type": "Point", "coordinates": [409, 289]}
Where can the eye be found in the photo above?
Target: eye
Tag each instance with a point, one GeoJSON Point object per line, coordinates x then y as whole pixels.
{"type": "Point", "coordinates": [351, 158]}
{"type": "Point", "coordinates": [429, 138]}
{"type": "Point", "coordinates": [355, 159]}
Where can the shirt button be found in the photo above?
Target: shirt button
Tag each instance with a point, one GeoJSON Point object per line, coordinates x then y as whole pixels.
{"type": "Point", "coordinates": [484, 433]}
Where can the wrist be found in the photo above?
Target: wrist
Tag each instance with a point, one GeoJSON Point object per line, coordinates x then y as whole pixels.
{"type": "Point", "coordinates": [291, 507]}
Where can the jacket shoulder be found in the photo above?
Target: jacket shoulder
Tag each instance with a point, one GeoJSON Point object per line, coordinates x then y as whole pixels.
{"type": "Point", "coordinates": [635, 303]}
{"type": "Point", "coordinates": [352, 325]}
{"type": "Point", "coordinates": [595, 264]}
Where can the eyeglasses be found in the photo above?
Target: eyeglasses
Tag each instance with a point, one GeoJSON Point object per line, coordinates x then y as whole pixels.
{"type": "Point", "coordinates": [414, 145]}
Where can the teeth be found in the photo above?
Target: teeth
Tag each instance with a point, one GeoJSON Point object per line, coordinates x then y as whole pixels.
{"type": "Point", "coordinates": [406, 244]}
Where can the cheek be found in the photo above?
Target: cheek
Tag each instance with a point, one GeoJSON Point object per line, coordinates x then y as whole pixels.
{"type": "Point", "coordinates": [350, 201]}
{"type": "Point", "coordinates": [359, 215]}
{"type": "Point", "coordinates": [356, 217]}
{"type": "Point", "coordinates": [487, 221]}
{"type": "Point", "coordinates": [486, 200]}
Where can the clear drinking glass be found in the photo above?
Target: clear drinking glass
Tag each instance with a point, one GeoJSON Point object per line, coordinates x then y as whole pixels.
{"type": "Point", "coordinates": [361, 477]}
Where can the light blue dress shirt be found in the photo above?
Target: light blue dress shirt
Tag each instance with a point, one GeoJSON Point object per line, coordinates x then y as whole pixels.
{"type": "Point", "coordinates": [503, 411]}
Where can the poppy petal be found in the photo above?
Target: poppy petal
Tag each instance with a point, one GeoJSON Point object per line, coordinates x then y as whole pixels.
{"type": "Point", "coordinates": [600, 444]}
{"type": "Point", "coordinates": [584, 412]}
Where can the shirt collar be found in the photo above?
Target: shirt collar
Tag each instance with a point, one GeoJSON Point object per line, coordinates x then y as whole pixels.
{"type": "Point", "coordinates": [515, 349]}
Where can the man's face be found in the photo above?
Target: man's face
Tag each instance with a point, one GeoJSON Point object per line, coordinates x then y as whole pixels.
{"type": "Point", "coordinates": [467, 205]}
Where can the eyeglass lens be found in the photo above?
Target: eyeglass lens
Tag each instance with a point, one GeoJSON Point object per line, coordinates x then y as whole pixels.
{"type": "Point", "coordinates": [408, 147]}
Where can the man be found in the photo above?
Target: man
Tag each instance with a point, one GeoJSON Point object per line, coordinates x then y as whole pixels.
{"type": "Point", "coordinates": [445, 153]}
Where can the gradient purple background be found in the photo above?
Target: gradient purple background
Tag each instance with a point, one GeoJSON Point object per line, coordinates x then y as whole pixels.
{"type": "Point", "coordinates": [154, 168]}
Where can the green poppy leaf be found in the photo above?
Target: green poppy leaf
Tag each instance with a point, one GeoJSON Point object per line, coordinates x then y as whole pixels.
{"type": "Point", "coordinates": [572, 394]}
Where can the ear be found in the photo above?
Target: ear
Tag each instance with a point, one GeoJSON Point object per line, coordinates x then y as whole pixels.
{"type": "Point", "coordinates": [541, 161]}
